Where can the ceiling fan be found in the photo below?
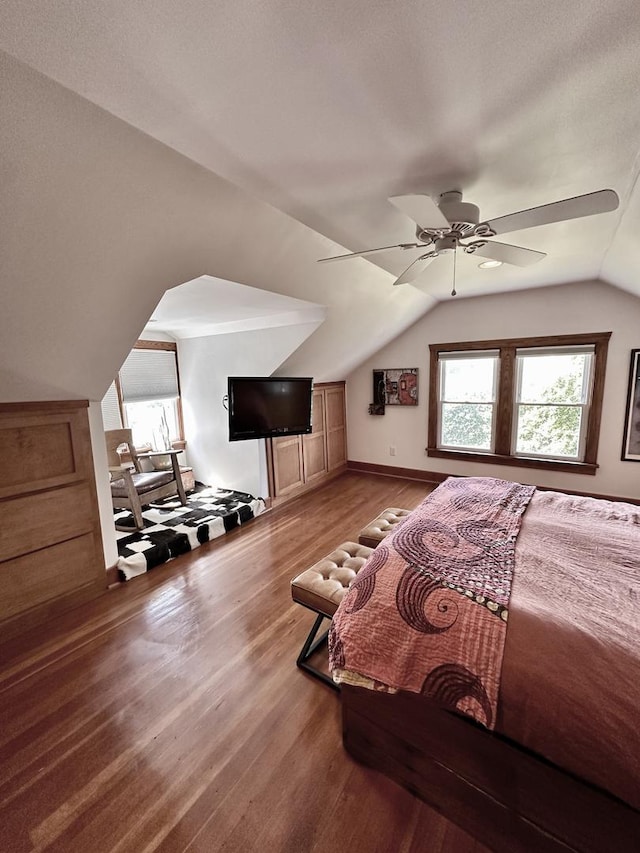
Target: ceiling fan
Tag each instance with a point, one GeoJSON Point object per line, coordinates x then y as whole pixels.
{"type": "Point", "coordinates": [441, 228]}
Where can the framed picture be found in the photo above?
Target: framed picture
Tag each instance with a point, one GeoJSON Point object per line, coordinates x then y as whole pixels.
{"type": "Point", "coordinates": [631, 446]}
{"type": "Point", "coordinates": [397, 387]}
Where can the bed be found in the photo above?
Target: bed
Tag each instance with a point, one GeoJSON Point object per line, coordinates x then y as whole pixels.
{"type": "Point", "coordinates": [489, 656]}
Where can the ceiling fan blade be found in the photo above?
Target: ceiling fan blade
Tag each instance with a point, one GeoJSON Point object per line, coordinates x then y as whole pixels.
{"type": "Point", "coordinates": [370, 252]}
{"type": "Point", "coordinates": [415, 269]}
{"type": "Point", "coordinates": [422, 209]}
{"type": "Point", "coordinates": [558, 211]}
{"type": "Point", "coordinates": [516, 255]}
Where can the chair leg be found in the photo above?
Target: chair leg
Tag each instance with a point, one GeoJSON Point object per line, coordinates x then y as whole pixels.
{"type": "Point", "coordinates": [311, 645]}
{"type": "Point", "coordinates": [134, 501]}
{"type": "Point", "coordinates": [178, 475]}
{"type": "Point", "coordinates": [135, 506]}
{"type": "Point", "coordinates": [136, 509]}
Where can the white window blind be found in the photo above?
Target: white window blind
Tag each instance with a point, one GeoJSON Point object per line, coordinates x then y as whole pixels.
{"type": "Point", "coordinates": [110, 409]}
{"type": "Point", "coordinates": [463, 355]}
{"type": "Point", "coordinates": [149, 375]}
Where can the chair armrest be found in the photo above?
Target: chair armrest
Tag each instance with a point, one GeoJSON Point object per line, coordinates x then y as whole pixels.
{"type": "Point", "coordinates": [118, 469]}
{"type": "Point", "coordinates": [151, 453]}
{"type": "Point", "coordinates": [122, 472]}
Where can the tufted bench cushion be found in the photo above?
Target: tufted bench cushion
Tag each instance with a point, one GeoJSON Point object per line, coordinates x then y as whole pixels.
{"type": "Point", "coordinates": [376, 530]}
{"type": "Point", "coordinates": [322, 586]}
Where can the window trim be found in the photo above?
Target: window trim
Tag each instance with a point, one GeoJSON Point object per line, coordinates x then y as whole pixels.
{"type": "Point", "coordinates": [502, 454]}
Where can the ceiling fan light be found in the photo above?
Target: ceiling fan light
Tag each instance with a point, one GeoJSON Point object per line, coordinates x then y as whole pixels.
{"type": "Point", "coordinates": [489, 265]}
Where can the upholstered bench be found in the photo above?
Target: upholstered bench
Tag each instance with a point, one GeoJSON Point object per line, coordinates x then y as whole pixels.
{"type": "Point", "coordinates": [373, 534]}
{"type": "Point", "coordinates": [321, 589]}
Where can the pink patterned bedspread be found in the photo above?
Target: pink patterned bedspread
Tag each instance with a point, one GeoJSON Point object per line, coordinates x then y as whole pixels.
{"type": "Point", "coordinates": [428, 611]}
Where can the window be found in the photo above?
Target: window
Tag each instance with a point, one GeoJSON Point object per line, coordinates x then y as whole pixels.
{"type": "Point", "coordinates": [145, 396]}
{"type": "Point", "coordinates": [153, 422]}
{"type": "Point", "coordinates": [533, 402]}
{"type": "Point", "coordinates": [552, 402]}
{"type": "Point", "coordinates": [468, 400]}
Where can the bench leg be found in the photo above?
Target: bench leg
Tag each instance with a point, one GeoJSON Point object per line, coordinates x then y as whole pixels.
{"type": "Point", "coordinates": [311, 645]}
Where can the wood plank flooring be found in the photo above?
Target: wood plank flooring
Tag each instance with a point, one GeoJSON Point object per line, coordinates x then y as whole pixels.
{"type": "Point", "coordinates": [168, 715]}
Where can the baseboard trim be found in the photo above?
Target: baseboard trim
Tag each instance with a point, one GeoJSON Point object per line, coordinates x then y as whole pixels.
{"type": "Point", "coordinates": [393, 471]}
{"type": "Point", "coordinates": [438, 477]}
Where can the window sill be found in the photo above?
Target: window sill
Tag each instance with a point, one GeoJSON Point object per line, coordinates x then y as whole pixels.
{"type": "Point", "coordinates": [515, 461]}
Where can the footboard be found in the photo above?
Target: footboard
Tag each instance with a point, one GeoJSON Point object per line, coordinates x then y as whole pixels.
{"type": "Point", "coordinates": [504, 795]}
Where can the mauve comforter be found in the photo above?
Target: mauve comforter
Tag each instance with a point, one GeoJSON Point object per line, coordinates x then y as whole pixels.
{"type": "Point", "coordinates": [570, 686]}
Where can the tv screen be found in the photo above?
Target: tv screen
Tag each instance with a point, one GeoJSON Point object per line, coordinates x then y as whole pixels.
{"type": "Point", "coordinates": [264, 407]}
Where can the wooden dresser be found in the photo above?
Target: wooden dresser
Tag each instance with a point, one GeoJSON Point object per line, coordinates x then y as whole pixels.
{"type": "Point", "coordinates": [51, 555]}
{"type": "Point", "coordinates": [301, 462]}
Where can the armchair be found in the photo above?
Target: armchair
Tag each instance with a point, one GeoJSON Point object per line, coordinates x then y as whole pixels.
{"type": "Point", "coordinates": [131, 487]}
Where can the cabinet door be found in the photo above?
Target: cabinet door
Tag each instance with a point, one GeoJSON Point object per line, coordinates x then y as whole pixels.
{"type": "Point", "coordinates": [314, 445]}
{"type": "Point", "coordinates": [336, 427]}
{"type": "Point", "coordinates": [51, 556]}
{"type": "Point", "coordinates": [288, 472]}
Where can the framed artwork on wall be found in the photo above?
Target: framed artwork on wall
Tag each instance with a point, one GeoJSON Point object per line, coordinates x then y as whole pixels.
{"type": "Point", "coordinates": [400, 386]}
{"type": "Point", "coordinates": [631, 445]}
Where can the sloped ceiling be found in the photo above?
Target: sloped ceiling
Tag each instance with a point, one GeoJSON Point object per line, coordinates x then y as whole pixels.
{"type": "Point", "coordinates": [325, 109]}
{"type": "Point", "coordinates": [98, 220]}
{"type": "Point", "coordinates": [212, 306]}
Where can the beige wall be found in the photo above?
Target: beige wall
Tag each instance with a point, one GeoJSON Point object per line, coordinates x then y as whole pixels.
{"type": "Point", "coordinates": [586, 307]}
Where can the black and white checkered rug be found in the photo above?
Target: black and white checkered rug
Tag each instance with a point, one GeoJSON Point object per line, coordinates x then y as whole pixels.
{"type": "Point", "coordinates": [171, 529]}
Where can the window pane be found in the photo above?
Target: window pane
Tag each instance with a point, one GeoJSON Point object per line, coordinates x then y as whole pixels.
{"type": "Point", "coordinates": [467, 425]}
{"type": "Point", "coordinates": [554, 378]}
{"type": "Point", "coordinates": [549, 430]}
{"type": "Point", "coordinates": [468, 380]}
{"type": "Point", "coordinates": [152, 422]}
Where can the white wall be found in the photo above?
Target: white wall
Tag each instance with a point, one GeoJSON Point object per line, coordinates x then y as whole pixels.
{"type": "Point", "coordinates": [205, 364]}
{"type": "Point", "coordinates": [103, 491]}
{"type": "Point", "coordinates": [566, 309]}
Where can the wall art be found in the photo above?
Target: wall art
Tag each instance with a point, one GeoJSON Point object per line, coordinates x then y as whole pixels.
{"type": "Point", "coordinates": [399, 386]}
{"type": "Point", "coordinates": [631, 445]}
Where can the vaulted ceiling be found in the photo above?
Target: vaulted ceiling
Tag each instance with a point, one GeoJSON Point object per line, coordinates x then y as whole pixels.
{"type": "Point", "coordinates": [325, 109]}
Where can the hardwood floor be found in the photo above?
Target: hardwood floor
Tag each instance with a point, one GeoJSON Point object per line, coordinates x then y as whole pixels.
{"type": "Point", "coordinates": [169, 715]}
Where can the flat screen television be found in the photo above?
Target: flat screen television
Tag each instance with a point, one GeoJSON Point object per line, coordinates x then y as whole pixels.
{"type": "Point", "coordinates": [268, 406]}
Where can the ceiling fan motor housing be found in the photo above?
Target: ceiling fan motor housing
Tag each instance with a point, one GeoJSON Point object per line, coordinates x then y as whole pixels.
{"type": "Point", "coordinates": [445, 245]}
{"type": "Point", "coordinates": [461, 214]}
{"type": "Point", "coordinates": [462, 217]}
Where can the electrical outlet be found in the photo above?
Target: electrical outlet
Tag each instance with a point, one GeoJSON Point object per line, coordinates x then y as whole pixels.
{"type": "Point", "coordinates": [392, 450]}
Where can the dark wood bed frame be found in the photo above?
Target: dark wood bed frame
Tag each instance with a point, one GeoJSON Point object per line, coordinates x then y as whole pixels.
{"type": "Point", "coordinates": [505, 796]}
